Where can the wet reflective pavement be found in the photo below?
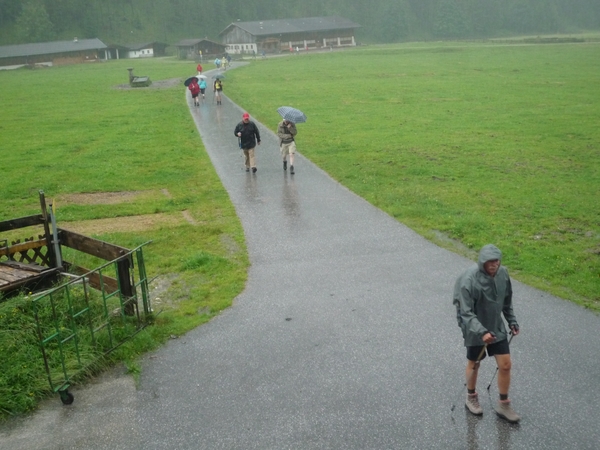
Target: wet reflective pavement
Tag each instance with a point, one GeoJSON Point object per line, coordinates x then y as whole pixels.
{"type": "Point", "coordinates": [344, 338]}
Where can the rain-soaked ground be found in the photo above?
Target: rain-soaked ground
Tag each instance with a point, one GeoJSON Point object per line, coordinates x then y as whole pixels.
{"type": "Point", "coordinates": [344, 338]}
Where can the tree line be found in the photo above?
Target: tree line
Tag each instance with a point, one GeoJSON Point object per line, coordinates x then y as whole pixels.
{"type": "Point", "coordinates": [132, 21]}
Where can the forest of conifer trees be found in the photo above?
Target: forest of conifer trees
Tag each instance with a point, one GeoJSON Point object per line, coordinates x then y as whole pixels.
{"type": "Point", "coordinates": [384, 21]}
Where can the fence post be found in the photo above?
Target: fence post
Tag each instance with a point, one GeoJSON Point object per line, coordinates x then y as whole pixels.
{"type": "Point", "coordinates": [125, 286]}
{"type": "Point", "coordinates": [49, 236]}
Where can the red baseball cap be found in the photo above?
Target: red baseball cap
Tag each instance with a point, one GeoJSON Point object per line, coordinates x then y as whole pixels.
{"type": "Point", "coordinates": [245, 116]}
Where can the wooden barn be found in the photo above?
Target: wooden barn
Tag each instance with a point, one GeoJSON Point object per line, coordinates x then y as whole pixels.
{"type": "Point", "coordinates": [274, 36]}
{"type": "Point", "coordinates": [197, 49]}
{"type": "Point", "coordinates": [52, 53]}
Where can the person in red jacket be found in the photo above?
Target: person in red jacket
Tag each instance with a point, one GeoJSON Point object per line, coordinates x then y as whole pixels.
{"type": "Point", "coordinates": [195, 90]}
{"type": "Point", "coordinates": [199, 69]}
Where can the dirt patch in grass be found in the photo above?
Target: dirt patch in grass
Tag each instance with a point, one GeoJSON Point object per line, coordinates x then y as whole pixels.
{"type": "Point", "coordinates": [107, 198]}
{"type": "Point", "coordinates": [122, 224]}
{"type": "Point", "coordinates": [455, 245]}
{"type": "Point", "coordinates": [232, 246]}
{"type": "Point", "coordinates": [160, 84]}
{"type": "Point", "coordinates": [159, 287]}
{"type": "Point", "coordinates": [188, 216]}
{"type": "Point", "coordinates": [125, 224]}
{"type": "Point", "coordinates": [129, 223]}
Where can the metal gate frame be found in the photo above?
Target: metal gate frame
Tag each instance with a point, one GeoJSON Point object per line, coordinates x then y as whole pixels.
{"type": "Point", "coordinates": [72, 318]}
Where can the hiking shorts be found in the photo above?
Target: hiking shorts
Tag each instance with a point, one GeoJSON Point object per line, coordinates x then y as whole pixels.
{"type": "Point", "coordinates": [288, 148]}
{"type": "Point", "coordinates": [497, 348]}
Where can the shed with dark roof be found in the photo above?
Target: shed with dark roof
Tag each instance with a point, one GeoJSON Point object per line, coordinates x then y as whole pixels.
{"type": "Point", "coordinates": [52, 53]}
{"type": "Point", "coordinates": [192, 48]}
{"type": "Point", "coordinates": [285, 34]}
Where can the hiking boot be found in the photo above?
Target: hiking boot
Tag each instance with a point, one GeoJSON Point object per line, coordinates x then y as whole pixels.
{"type": "Point", "coordinates": [472, 404]}
{"type": "Point", "coordinates": [504, 410]}
{"type": "Point", "coordinates": [247, 169]}
{"type": "Point", "coordinates": [285, 165]}
{"type": "Point", "coordinates": [254, 169]}
{"type": "Point", "coordinates": [292, 170]}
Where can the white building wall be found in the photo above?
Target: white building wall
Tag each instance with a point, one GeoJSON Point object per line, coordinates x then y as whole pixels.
{"type": "Point", "coordinates": [144, 53]}
{"type": "Point", "coordinates": [236, 49]}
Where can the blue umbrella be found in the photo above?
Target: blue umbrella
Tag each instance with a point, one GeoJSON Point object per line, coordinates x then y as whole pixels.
{"type": "Point", "coordinates": [292, 114]}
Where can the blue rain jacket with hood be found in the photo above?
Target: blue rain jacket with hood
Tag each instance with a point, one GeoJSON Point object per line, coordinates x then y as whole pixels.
{"type": "Point", "coordinates": [481, 300]}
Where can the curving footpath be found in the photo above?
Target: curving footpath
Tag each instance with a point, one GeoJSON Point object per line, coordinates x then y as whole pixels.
{"type": "Point", "coordinates": [344, 338]}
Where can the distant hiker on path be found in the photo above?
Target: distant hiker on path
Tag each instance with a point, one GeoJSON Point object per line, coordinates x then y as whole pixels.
{"type": "Point", "coordinates": [286, 131]}
{"type": "Point", "coordinates": [217, 89]}
{"type": "Point", "coordinates": [482, 295]}
{"type": "Point", "coordinates": [202, 85]}
{"type": "Point", "coordinates": [199, 69]}
{"type": "Point", "coordinates": [249, 136]}
{"type": "Point", "coordinates": [195, 90]}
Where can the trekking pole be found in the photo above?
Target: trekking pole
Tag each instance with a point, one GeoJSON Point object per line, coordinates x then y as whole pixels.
{"type": "Point", "coordinates": [479, 357]}
{"type": "Point", "coordinates": [489, 385]}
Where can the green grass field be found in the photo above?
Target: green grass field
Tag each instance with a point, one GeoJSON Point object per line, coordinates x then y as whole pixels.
{"type": "Point", "coordinates": [69, 130]}
{"type": "Point", "coordinates": [465, 143]}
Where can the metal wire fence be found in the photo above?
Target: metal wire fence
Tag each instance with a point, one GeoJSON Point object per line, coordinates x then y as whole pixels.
{"type": "Point", "coordinates": [82, 320]}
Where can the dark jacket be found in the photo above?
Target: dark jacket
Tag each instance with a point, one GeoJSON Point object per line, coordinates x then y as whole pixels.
{"type": "Point", "coordinates": [482, 300]}
{"type": "Point", "coordinates": [250, 134]}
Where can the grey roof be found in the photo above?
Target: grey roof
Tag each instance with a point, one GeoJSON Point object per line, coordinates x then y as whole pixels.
{"type": "Point", "coordinates": [212, 42]}
{"type": "Point", "coordinates": [286, 26]}
{"type": "Point", "coordinates": [190, 42]}
{"type": "Point", "coordinates": [187, 42]}
{"type": "Point", "coordinates": [49, 48]}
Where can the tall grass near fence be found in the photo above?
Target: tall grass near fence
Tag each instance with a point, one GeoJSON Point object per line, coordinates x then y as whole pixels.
{"type": "Point", "coordinates": [72, 130]}
{"type": "Point", "coordinates": [24, 378]}
{"type": "Point", "coordinates": [466, 143]}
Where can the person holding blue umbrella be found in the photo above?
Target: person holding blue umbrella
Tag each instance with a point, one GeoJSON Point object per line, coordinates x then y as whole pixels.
{"type": "Point", "coordinates": [286, 131]}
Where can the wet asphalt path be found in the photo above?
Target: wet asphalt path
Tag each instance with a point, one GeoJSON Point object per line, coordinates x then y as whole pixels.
{"type": "Point", "coordinates": [344, 338]}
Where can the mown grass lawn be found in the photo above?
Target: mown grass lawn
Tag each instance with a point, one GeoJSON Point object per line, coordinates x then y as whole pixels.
{"type": "Point", "coordinates": [466, 143]}
{"type": "Point", "coordinates": [69, 130]}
